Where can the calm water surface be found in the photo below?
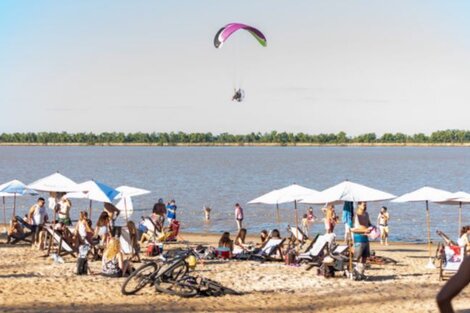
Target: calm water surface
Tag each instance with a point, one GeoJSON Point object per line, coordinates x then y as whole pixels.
{"type": "Point", "coordinates": [221, 176]}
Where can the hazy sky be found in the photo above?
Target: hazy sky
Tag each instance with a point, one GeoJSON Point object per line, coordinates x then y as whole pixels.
{"type": "Point", "coordinates": [357, 66]}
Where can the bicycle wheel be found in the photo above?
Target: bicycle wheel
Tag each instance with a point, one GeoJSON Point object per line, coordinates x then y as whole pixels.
{"type": "Point", "coordinates": [178, 288]}
{"type": "Point", "coordinates": [139, 278]}
{"type": "Point", "coordinates": [166, 280]}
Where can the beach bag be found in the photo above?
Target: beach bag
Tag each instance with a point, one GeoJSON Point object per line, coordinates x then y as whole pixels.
{"type": "Point", "coordinates": [82, 266]}
{"type": "Point", "coordinates": [152, 250]}
{"type": "Point", "coordinates": [290, 258]}
{"type": "Point", "coordinates": [374, 233]}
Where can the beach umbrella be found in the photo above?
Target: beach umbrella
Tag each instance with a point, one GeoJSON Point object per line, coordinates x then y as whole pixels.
{"type": "Point", "coordinates": [458, 198]}
{"type": "Point", "coordinates": [95, 191]}
{"type": "Point", "coordinates": [13, 189]}
{"type": "Point", "coordinates": [126, 209]}
{"type": "Point", "coordinates": [426, 194]}
{"type": "Point", "coordinates": [126, 192]}
{"type": "Point", "coordinates": [292, 193]}
{"type": "Point", "coordinates": [55, 183]}
{"type": "Point", "coordinates": [348, 191]}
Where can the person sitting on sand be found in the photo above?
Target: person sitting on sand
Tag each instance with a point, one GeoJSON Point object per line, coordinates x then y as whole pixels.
{"type": "Point", "coordinates": [15, 231]}
{"type": "Point", "coordinates": [361, 241]}
{"type": "Point", "coordinates": [102, 229]}
{"type": "Point", "coordinates": [464, 240]}
{"type": "Point", "coordinates": [239, 245]}
{"type": "Point", "coordinates": [454, 286]}
{"type": "Point", "coordinates": [225, 244]}
{"type": "Point", "coordinates": [263, 236]}
{"type": "Point", "coordinates": [113, 263]}
{"type": "Point", "coordinates": [275, 234]}
{"type": "Point", "coordinates": [82, 229]}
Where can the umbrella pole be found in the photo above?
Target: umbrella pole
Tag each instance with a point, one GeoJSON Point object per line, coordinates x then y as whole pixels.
{"type": "Point", "coordinates": [430, 264]}
{"type": "Point", "coordinates": [89, 209]}
{"type": "Point", "coordinates": [14, 204]}
{"type": "Point", "coordinates": [278, 216]}
{"type": "Point", "coordinates": [460, 220]}
{"type": "Point", "coordinates": [296, 215]}
{"type": "Point", "coordinates": [4, 213]}
{"type": "Point", "coordinates": [125, 209]}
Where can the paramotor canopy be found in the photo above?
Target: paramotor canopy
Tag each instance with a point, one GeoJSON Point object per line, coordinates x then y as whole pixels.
{"type": "Point", "coordinates": [225, 32]}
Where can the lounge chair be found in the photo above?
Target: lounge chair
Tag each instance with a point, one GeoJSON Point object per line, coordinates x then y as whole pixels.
{"type": "Point", "coordinates": [129, 245]}
{"type": "Point", "coordinates": [307, 245]}
{"type": "Point", "coordinates": [64, 241]}
{"type": "Point", "coordinates": [318, 251]}
{"type": "Point", "coordinates": [297, 234]}
{"type": "Point", "coordinates": [25, 236]}
{"type": "Point", "coordinates": [268, 251]}
{"type": "Point", "coordinates": [157, 235]}
{"type": "Point", "coordinates": [450, 261]}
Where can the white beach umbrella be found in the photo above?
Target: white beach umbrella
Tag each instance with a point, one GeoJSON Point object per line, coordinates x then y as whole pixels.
{"type": "Point", "coordinates": [95, 191]}
{"type": "Point", "coordinates": [293, 193]}
{"type": "Point", "coordinates": [126, 209]}
{"type": "Point", "coordinates": [127, 191]}
{"type": "Point", "coordinates": [348, 191]}
{"type": "Point", "coordinates": [458, 198]}
{"type": "Point", "coordinates": [55, 183]}
{"type": "Point", "coordinates": [426, 194]}
{"type": "Point", "coordinates": [125, 194]}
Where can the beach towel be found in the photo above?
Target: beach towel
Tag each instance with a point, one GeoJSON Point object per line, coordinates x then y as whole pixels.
{"type": "Point", "coordinates": [348, 213]}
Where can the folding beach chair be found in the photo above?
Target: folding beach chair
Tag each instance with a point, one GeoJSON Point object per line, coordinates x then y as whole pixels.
{"type": "Point", "coordinates": [307, 245]}
{"type": "Point", "coordinates": [451, 261]}
{"type": "Point", "coordinates": [25, 236]}
{"type": "Point", "coordinates": [319, 249]}
{"type": "Point", "coordinates": [268, 251]}
{"type": "Point", "coordinates": [297, 234]}
{"type": "Point", "coordinates": [129, 245]}
{"type": "Point", "coordinates": [64, 243]}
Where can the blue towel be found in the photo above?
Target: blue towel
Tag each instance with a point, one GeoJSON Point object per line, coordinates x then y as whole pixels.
{"type": "Point", "coordinates": [348, 213]}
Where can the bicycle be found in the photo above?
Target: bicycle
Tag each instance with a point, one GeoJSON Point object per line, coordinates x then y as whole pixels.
{"type": "Point", "coordinates": [165, 275]}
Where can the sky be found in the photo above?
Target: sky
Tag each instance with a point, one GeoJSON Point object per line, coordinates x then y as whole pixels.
{"type": "Point", "coordinates": [330, 66]}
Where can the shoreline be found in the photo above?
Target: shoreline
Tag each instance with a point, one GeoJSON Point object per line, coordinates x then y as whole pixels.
{"type": "Point", "coordinates": [416, 145]}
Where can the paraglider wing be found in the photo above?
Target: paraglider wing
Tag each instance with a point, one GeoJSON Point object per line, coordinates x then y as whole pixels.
{"type": "Point", "coordinates": [225, 32]}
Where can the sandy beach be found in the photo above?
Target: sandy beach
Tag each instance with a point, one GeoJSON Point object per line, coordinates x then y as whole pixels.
{"type": "Point", "coordinates": [31, 282]}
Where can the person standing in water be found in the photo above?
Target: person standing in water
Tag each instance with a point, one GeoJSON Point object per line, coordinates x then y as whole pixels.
{"type": "Point", "coordinates": [382, 221]}
{"type": "Point", "coordinates": [239, 215]}
{"type": "Point", "coordinates": [207, 212]}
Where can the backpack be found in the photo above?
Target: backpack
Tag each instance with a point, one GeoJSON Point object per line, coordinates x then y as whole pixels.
{"type": "Point", "coordinates": [82, 266]}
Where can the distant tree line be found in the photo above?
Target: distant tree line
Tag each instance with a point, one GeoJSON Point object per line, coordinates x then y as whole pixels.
{"type": "Point", "coordinates": [452, 136]}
